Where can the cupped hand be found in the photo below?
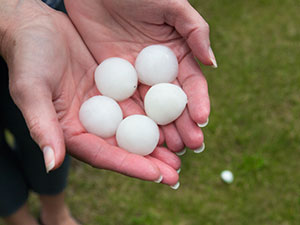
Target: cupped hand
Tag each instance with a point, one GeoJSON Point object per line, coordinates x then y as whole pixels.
{"type": "Point", "coordinates": [113, 28]}
{"type": "Point", "coordinates": [50, 76]}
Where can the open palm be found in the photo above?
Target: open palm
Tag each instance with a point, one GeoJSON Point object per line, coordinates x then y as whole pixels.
{"type": "Point", "coordinates": [112, 28]}
{"type": "Point", "coordinates": [51, 75]}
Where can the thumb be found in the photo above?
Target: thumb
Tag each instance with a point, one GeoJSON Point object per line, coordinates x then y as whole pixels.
{"type": "Point", "coordinates": [188, 23]}
{"type": "Point", "coordinates": [35, 103]}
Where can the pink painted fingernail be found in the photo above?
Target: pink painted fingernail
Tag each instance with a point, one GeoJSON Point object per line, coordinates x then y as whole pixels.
{"type": "Point", "coordinates": [49, 158]}
{"type": "Point", "coordinates": [212, 58]}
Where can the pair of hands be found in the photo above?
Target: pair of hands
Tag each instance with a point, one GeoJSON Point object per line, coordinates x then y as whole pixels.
{"type": "Point", "coordinates": [51, 70]}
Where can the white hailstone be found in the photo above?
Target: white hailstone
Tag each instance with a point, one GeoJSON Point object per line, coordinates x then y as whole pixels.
{"type": "Point", "coordinates": [156, 64]}
{"type": "Point", "coordinates": [116, 78]}
{"type": "Point", "coordinates": [138, 134]}
{"type": "Point", "coordinates": [100, 115]}
{"type": "Point", "coordinates": [227, 176]}
{"type": "Point", "coordinates": [164, 103]}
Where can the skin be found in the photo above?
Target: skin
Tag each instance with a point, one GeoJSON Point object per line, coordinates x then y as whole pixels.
{"type": "Point", "coordinates": [50, 76]}
{"type": "Point", "coordinates": [113, 28]}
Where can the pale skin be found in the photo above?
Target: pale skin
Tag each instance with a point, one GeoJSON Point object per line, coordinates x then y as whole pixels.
{"type": "Point", "coordinates": [51, 73]}
{"type": "Point", "coordinates": [122, 28]}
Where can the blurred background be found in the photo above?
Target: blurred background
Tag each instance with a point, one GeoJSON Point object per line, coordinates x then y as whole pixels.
{"type": "Point", "coordinates": [254, 131]}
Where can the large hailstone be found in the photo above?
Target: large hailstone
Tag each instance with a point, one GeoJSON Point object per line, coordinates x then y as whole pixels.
{"type": "Point", "coordinates": [100, 115]}
{"type": "Point", "coordinates": [138, 134]}
{"type": "Point", "coordinates": [116, 78]}
{"type": "Point", "coordinates": [164, 103]}
{"type": "Point", "coordinates": [156, 64]}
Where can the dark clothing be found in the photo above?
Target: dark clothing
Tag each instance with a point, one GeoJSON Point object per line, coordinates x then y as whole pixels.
{"type": "Point", "coordinates": [53, 3]}
{"type": "Point", "coordinates": [21, 161]}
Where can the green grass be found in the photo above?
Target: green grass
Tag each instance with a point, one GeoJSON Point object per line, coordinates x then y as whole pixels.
{"type": "Point", "coordinates": [254, 131]}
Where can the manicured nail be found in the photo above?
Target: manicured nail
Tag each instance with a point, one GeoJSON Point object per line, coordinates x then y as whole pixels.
{"type": "Point", "coordinates": [175, 186]}
{"type": "Point", "coordinates": [159, 179]}
{"type": "Point", "coordinates": [201, 149]}
{"type": "Point", "coordinates": [178, 171]}
{"type": "Point", "coordinates": [49, 158]}
{"type": "Point", "coordinates": [181, 152]}
{"type": "Point", "coordinates": [212, 58]}
{"type": "Point", "coordinates": [203, 124]}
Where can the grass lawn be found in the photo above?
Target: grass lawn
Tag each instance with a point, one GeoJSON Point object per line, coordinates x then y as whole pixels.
{"type": "Point", "coordinates": [254, 131]}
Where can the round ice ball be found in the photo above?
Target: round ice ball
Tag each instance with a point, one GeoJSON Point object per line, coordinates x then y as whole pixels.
{"type": "Point", "coordinates": [116, 78]}
{"type": "Point", "coordinates": [156, 64]}
{"type": "Point", "coordinates": [100, 115]}
{"type": "Point", "coordinates": [164, 103]}
{"type": "Point", "coordinates": [138, 134]}
{"type": "Point", "coordinates": [227, 176]}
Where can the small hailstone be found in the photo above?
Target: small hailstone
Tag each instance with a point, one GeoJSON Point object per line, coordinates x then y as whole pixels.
{"type": "Point", "coordinates": [156, 64]}
{"type": "Point", "coordinates": [164, 103]}
{"type": "Point", "coordinates": [116, 78]}
{"type": "Point", "coordinates": [100, 115]}
{"type": "Point", "coordinates": [227, 176]}
{"type": "Point", "coordinates": [138, 134]}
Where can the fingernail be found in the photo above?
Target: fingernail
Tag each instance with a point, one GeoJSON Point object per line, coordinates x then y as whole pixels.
{"type": "Point", "coordinates": [49, 158]}
{"type": "Point", "coordinates": [159, 179]}
{"type": "Point", "coordinates": [178, 171]}
{"type": "Point", "coordinates": [201, 149]}
{"type": "Point", "coordinates": [203, 124]}
{"type": "Point", "coordinates": [175, 186]}
{"type": "Point", "coordinates": [212, 58]}
{"type": "Point", "coordinates": [181, 152]}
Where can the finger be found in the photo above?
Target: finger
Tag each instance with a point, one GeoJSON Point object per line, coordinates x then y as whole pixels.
{"type": "Point", "coordinates": [188, 22]}
{"type": "Point", "coordinates": [112, 141]}
{"type": "Point", "coordinates": [167, 157]}
{"type": "Point", "coordinates": [130, 107]}
{"type": "Point", "coordinates": [143, 90]}
{"type": "Point", "coordinates": [98, 153]}
{"type": "Point", "coordinates": [194, 85]}
{"type": "Point", "coordinates": [161, 137]}
{"type": "Point", "coordinates": [137, 99]}
{"type": "Point", "coordinates": [37, 108]}
{"type": "Point", "coordinates": [172, 137]}
{"type": "Point", "coordinates": [170, 175]}
{"type": "Point", "coordinates": [190, 133]}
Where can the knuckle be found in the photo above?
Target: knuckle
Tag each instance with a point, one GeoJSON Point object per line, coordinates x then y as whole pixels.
{"type": "Point", "coordinates": [16, 89]}
{"type": "Point", "coordinates": [35, 128]}
{"type": "Point", "coordinates": [204, 26]}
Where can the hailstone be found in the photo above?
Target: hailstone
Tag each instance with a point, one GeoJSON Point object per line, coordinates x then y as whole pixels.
{"type": "Point", "coordinates": [156, 64]}
{"type": "Point", "coordinates": [116, 78]}
{"type": "Point", "coordinates": [164, 103]}
{"type": "Point", "coordinates": [100, 115]}
{"type": "Point", "coordinates": [227, 176]}
{"type": "Point", "coordinates": [138, 134]}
